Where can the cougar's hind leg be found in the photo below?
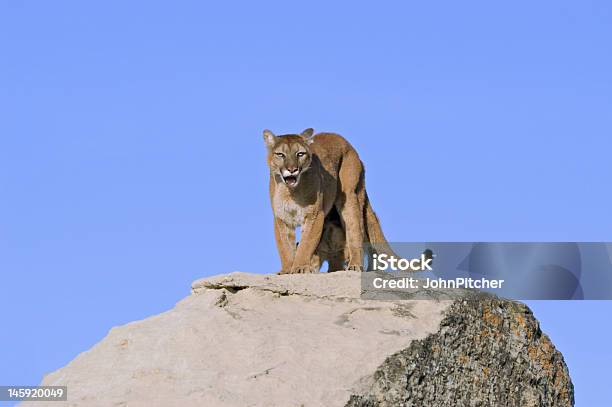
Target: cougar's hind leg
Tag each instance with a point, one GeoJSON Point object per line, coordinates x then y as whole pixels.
{"type": "Point", "coordinates": [350, 204]}
{"type": "Point", "coordinates": [316, 262]}
{"type": "Point", "coordinates": [336, 262]}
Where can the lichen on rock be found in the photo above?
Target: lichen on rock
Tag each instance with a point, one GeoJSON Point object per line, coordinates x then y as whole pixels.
{"type": "Point", "coordinates": [487, 352]}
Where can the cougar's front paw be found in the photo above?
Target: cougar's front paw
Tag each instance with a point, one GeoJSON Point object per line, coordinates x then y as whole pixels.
{"type": "Point", "coordinates": [306, 268]}
{"type": "Point", "coordinates": [354, 267]}
{"type": "Point", "coordinates": [284, 272]}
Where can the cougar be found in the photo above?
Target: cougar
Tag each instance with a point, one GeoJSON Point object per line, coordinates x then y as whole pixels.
{"type": "Point", "coordinates": [309, 176]}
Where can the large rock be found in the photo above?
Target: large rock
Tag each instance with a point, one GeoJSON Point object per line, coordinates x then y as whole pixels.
{"type": "Point", "coordinates": [310, 340]}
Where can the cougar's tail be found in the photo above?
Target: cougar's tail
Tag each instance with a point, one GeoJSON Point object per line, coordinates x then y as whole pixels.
{"type": "Point", "coordinates": [375, 235]}
{"type": "Point", "coordinates": [374, 232]}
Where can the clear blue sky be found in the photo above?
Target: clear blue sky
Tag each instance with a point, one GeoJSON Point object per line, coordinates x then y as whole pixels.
{"type": "Point", "coordinates": [132, 161]}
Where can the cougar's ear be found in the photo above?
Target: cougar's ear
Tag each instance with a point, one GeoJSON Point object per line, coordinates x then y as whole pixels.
{"type": "Point", "coordinates": [269, 138]}
{"type": "Point", "coordinates": [307, 135]}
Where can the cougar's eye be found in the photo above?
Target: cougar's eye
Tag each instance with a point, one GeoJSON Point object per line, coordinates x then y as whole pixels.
{"type": "Point", "coordinates": [279, 155]}
{"type": "Point", "coordinates": [301, 154]}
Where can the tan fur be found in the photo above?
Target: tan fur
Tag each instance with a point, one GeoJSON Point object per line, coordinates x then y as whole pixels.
{"type": "Point", "coordinates": [328, 173]}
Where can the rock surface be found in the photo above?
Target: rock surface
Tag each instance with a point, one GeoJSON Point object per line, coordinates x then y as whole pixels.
{"type": "Point", "coordinates": [310, 340]}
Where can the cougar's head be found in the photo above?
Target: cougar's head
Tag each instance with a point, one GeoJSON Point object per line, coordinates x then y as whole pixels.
{"type": "Point", "coordinates": [289, 155]}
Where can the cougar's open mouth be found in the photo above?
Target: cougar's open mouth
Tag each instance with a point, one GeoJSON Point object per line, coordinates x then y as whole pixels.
{"type": "Point", "coordinates": [291, 180]}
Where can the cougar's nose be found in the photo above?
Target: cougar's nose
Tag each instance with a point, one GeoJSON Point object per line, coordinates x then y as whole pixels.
{"type": "Point", "coordinates": [292, 170]}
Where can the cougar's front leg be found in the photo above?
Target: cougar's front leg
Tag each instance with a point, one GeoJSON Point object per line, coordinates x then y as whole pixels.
{"type": "Point", "coordinates": [285, 243]}
{"type": "Point", "coordinates": [311, 234]}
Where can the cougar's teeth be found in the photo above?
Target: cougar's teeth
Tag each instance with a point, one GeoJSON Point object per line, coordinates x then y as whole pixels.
{"type": "Point", "coordinates": [290, 180]}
